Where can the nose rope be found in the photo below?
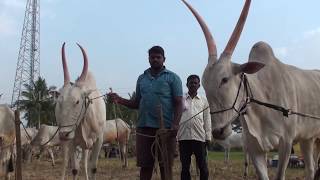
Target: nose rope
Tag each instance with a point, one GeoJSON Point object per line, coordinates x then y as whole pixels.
{"type": "Point", "coordinates": [249, 98]}
{"type": "Point", "coordinates": [85, 106]}
{"type": "Point", "coordinates": [238, 111]}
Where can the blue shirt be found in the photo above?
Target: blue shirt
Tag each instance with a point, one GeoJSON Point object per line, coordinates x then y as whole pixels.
{"type": "Point", "coordinates": [153, 91]}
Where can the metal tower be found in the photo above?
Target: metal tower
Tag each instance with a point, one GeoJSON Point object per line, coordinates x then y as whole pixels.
{"type": "Point", "coordinates": [28, 66]}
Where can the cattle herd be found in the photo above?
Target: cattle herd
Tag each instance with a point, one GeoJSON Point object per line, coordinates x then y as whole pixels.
{"type": "Point", "coordinates": [277, 104]}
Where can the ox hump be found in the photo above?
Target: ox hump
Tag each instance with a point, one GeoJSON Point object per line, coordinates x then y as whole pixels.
{"type": "Point", "coordinates": [262, 52]}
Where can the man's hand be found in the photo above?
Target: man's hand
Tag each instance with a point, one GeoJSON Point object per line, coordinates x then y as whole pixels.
{"type": "Point", "coordinates": [114, 97]}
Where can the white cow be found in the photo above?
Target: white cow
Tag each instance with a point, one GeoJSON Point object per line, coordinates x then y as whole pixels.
{"type": "Point", "coordinates": [47, 138]}
{"type": "Point", "coordinates": [269, 81]}
{"type": "Point", "coordinates": [81, 116]}
{"type": "Point", "coordinates": [235, 140]}
{"type": "Point", "coordinates": [27, 135]}
{"type": "Point", "coordinates": [7, 139]}
{"type": "Point", "coordinates": [116, 130]}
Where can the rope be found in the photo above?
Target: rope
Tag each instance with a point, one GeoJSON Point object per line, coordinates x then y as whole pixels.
{"type": "Point", "coordinates": [41, 145]}
{"type": "Point", "coordinates": [155, 146]}
{"type": "Point", "coordinates": [250, 98]}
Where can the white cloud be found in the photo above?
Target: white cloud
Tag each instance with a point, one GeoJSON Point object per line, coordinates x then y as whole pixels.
{"type": "Point", "coordinates": [304, 53]}
{"type": "Point", "coordinates": [312, 33]}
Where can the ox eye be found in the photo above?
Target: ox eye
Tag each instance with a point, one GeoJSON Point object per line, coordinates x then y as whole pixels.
{"type": "Point", "coordinates": [224, 80]}
{"type": "Point", "coordinates": [77, 102]}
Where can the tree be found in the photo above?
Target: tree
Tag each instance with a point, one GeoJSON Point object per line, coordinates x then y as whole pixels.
{"type": "Point", "coordinates": [37, 104]}
{"type": "Point", "coordinates": [130, 116]}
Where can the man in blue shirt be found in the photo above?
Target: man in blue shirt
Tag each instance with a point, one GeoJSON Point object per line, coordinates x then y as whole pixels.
{"type": "Point", "coordinates": [156, 87]}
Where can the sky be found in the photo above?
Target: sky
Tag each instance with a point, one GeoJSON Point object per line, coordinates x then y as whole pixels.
{"type": "Point", "coordinates": [117, 35]}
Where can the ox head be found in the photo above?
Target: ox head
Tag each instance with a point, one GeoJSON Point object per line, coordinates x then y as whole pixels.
{"type": "Point", "coordinates": [73, 99]}
{"type": "Point", "coordinates": [221, 77]}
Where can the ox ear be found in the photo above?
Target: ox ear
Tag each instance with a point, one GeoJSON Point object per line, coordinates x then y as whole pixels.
{"type": "Point", "coordinates": [249, 67]}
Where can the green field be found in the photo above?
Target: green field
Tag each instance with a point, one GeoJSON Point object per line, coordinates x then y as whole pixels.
{"type": "Point", "coordinates": [110, 169]}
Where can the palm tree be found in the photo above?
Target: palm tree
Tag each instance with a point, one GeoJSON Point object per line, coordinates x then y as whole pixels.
{"type": "Point", "coordinates": [37, 104]}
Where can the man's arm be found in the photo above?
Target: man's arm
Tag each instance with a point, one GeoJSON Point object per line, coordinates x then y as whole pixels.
{"type": "Point", "coordinates": [178, 105]}
{"type": "Point", "coordinates": [130, 103]}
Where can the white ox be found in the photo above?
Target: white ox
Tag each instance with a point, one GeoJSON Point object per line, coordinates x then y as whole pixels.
{"type": "Point", "coordinates": [116, 130]}
{"type": "Point", "coordinates": [272, 82]}
{"type": "Point", "coordinates": [27, 135]}
{"type": "Point", "coordinates": [47, 138]}
{"type": "Point", "coordinates": [81, 119]}
{"type": "Point", "coordinates": [7, 139]}
{"type": "Point", "coordinates": [235, 140]}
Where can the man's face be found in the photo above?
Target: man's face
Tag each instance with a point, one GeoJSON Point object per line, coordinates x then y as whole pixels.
{"type": "Point", "coordinates": [156, 61]}
{"type": "Point", "coordinates": [193, 85]}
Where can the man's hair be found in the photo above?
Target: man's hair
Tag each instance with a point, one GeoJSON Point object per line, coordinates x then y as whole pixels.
{"type": "Point", "coordinates": [193, 76]}
{"type": "Point", "coordinates": [157, 50]}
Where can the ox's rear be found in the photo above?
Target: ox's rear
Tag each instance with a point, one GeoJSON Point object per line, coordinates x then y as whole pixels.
{"type": "Point", "coordinates": [7, 139]}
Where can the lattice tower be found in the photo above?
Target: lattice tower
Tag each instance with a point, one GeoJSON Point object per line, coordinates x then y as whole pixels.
{"type": "Point", "coordinates": [28, 65]}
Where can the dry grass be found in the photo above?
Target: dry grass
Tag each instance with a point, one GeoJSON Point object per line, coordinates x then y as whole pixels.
{"type": "Point", "coordinates": [110, 169]}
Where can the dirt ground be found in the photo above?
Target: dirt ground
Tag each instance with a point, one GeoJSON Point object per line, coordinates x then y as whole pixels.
{"type": "Point", "coordinates": [110, 169]}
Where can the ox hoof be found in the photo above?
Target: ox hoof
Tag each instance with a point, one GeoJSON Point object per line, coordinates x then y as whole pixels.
{"type": "Point", "coordinates": [94, 170]}
{"type": "Point", "coordinates": [74, 172]}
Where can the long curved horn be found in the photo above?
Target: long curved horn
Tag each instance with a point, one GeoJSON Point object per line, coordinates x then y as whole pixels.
{"type": "Point", "coordinates": [237, 30]}
{"type": "Point", "coordinates": [85, 64]}
{"type": "Point", "coordinates": [65, 67]}
{"type": "Point", "coordinates": [212, 49]}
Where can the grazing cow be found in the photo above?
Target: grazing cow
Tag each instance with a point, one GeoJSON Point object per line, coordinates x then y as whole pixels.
{"type": "Point", "coordinates": [27, 135]}
{"type": "Point", "coordinates": [7, 139]}
{"type": "Point", "coordinates": [47, 138]}
{"type": "Point", "coordinates": [119, 131]}
{"type": "Point", "coordinates": [235, 140]}
{"type": "Point", "coordinates": [81, 116]}
{"type": "Point", "coordinates": [251, 90]}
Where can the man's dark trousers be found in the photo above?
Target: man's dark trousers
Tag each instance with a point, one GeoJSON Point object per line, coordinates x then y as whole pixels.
{"type": "Point", "coordinates": [198, 148]}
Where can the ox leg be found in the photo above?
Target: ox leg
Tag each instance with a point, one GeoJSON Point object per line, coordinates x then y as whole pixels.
{"type": "Point", "coordinates": [260, 164]}
{"type": "Point", "coordinates": [74, 161]}
{"type": "Point", "coordinates": [94, 157]}
{"type": "Point", "coordinates": [284, 154]}
{"type": "Point", "coordinates": [85, 163]}
{"type": "Point", "coordinates": [65, 150]}
{"type": "Point", "coordinates": [225, 155]}
{"type": "Point", "coordinates": [257, 156]}
{"type": "Point", "coordinates": [123, 154]}
{"type": "Point", "coordinates": [246, 163]}
{"type": "Point", "coordinates": [307, 152]}
{"type": "Point", "coordinates": [51, 155]}
{"type": "Point", "coordinates": [316, 153]}
{"type": "Point", "coordinates": [228, 155]}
